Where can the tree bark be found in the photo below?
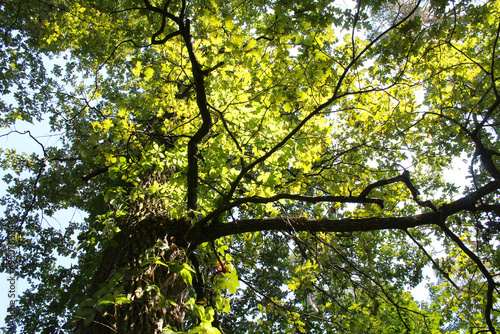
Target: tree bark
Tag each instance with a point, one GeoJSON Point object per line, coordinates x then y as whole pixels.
{"type": "Point", "coordinates": [147, 313]}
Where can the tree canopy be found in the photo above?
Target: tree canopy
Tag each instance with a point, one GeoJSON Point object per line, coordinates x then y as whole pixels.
{"type": "Point", "coordinates": [253, 166]}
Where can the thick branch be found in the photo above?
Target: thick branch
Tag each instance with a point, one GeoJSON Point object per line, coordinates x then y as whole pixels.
{"type": "Point", "coordinates": [202, 233]}
{"type": "Point", "coordinates": [201, 101]}
{"type": "Point", "coordinates": [294, 197]}
{"type": "Point", "coordinates": [216, 231]}
{"type": "Point", "coordinates": [164, 39]}
{"type": "Point", "coordinates": [94, 173]}
{"type": "Point", "coordinates": [309, 199]}
{"type": "Point", "coordinates": [494, 208]}
{"type": "Point", "coordinates": [483, 152]}
{"type": "Point", "coordinates": [370, 187]}
{"type": "Point", "coordinates": [163, 11]}
{"type": "Point", "coordinates": [469, 202]}
{"type": "Point", "coordinates": [405, 178]}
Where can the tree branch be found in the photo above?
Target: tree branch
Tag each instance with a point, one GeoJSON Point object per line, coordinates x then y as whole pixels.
{"type": "Point", "coordinates": [94, 173]}
{"type": "Point", "coordinates": [201, 101]}
{"type": "Point", "coordinates": [405, 178]}
{"type": "Point", "coordinates": [272, 301]}
{"type": "Point", "coordinates": [202, 233]}
{"type": "Point", "coordinates": [295, 197]}
{"type": "Point", "coordinates": [399, 178]}
{"type": "Point", "coordinates": [346, 225]}
{"type": "Point", "coordinates": [434, 263]}
{"type": "Point", "coordinates": [491, 283]}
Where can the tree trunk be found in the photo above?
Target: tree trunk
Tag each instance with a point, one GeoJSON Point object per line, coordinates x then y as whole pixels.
{"type": "Point", "coordinates": [148, 311]}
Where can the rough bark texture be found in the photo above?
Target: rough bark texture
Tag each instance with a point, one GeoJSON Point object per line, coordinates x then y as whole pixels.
{"type": "Point", "coordinates": [145, 314]}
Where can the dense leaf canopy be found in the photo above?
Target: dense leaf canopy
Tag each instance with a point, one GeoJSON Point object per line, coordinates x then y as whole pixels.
{"type": "Point", "coordinates": [253, 166]}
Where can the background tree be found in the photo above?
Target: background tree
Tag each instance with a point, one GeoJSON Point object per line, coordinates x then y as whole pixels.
{"type": "Point", "coordinates": [263, 162]}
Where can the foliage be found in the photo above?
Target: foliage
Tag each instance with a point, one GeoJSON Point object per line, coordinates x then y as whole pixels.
{"type": "Point", "coordinates": [253, 167]}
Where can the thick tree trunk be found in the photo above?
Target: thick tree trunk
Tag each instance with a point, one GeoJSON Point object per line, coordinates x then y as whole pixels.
{"type": "Point", "coordinates": [149, 310]}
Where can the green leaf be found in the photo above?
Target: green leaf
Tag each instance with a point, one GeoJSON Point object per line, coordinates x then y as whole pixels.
{"type": "Point", "coordinates": [122, 300]}
{"type": "Point", "coordinates": [148, 73]}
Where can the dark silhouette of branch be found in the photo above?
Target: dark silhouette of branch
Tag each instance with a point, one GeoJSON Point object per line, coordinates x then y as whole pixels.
{"type": "Point", "coordinates": [202, 233]}
{"type": "Point", "coordinates": [495, 208]}
{"type": "Point", "coordinates": [489, 278]}
{"type": "Point", "coordinates": [272, 301]}
{"type": "Point", "coordinates": [399, 178]}
{"type": "Point", "coordinates": [405, 178]}
{"type": "Point", "coordinates": [295, 197]}
{"type": "Point", "coordinates": [201, 101]}
{"type": "Point", "coordinates": [309, 199]}
{"type": "Point", "coordinates": [346, 225]}
{"type": "Point", "coordinates": [434, 263]}
{"type": "Point", "coordinates": [94, 173]}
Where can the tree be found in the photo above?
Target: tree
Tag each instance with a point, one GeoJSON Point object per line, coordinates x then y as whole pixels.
{"type": "Point", "coordinates": [241, 163]}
